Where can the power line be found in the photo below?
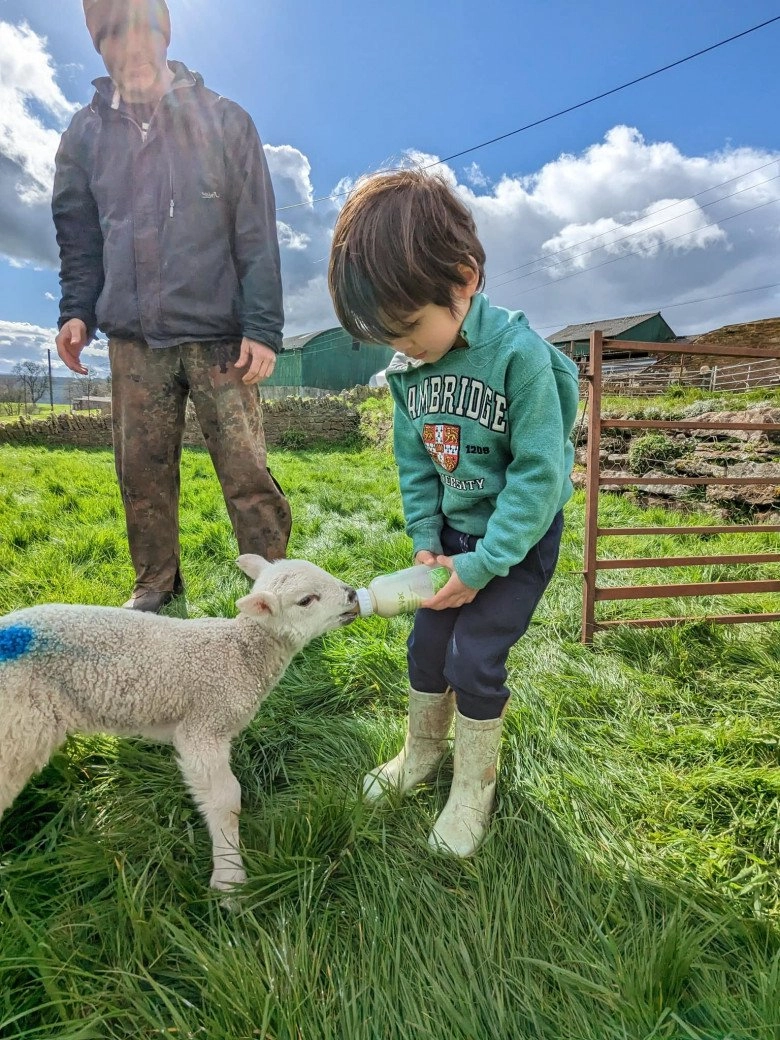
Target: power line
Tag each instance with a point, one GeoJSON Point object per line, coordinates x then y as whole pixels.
{"type": "Point", "coordinates": [626, 256]}
{"type": "Point", "coordinates": [337, 334]}
{"type": "Point", "coordinates": [707, 299]}
{"type": "Point", "coordinates": [563, 111]}
{"type": "Point", "coordinates": [617, 227]}
{"type": "Point", "coordinates": [607, 93]}
{"type": "Point", "coordinates": [683, 303]}
{"type": "Point", "coordinates": [628, 223]}
{"type": "Point", "coordinates": [639, 231]}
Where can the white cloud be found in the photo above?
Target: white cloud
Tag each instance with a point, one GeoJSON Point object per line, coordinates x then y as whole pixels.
{"type": "Point", "coordinates": [475, 177]}
{"type": "Point", "coordinates": [622, 227]}
{"type": "Point", "coordinates": [305, 231]}
{"type": "Point", "coordinates": [674, 247]}
{"type": "Point", "coordinates": [291, 175]}
{"type": "Point", "coordinates": [28, 144]}
{"type": "Point", "coordinates": [308, 307]}
{"type": "Point", "coordinates": [21, 341]}
{"type": "Point", "coordinates": [289, 239]}
{"type": "Point", "coordinates": [50, 296]}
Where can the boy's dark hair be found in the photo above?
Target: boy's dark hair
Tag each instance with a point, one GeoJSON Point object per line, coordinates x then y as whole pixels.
{"type": "Point", "coordinates": [401, 241]}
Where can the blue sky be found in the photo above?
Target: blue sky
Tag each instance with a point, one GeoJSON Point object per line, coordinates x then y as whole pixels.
{"type": "Point", "coordinates": [342, 89]}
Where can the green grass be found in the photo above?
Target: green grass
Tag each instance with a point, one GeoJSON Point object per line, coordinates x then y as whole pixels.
{"type": "Point", "coordinates": [629, 887]}
{"type": "Point", "coordinates": [43, 411]}
{"type": "Point", "coordinates": [677, 399]}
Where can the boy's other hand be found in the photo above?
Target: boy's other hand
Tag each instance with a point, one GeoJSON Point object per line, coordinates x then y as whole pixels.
{"type": "Point", "coordinates": [454, 593]}
{"type": "Point", "coordinates": [426, 557]}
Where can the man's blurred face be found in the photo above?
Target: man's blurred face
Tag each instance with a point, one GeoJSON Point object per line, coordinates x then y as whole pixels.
{"type": "Point", "coordinates": [134, 52]}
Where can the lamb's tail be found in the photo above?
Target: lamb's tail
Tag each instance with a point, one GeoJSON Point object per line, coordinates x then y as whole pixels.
{"type": "Point", "coordinates": [28, 736]}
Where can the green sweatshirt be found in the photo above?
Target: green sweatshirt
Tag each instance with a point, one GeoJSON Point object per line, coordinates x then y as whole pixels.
{"type": "Point", "coordinates": [481, 440]}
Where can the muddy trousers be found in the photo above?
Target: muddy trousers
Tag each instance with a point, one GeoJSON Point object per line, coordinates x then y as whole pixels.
{"type": "Point", "coordinates": [149, 391]}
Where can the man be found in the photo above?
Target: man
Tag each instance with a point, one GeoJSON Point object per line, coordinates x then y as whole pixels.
{"type": "Point", "coordinates": [165, 220]}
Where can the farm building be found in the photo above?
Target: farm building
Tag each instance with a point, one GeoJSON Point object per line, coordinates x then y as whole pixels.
{"type": "Point", "coordinates": [574, 340]}
{"type": "Point", "coordinates": [81, 404]}
{"type": "Point", "coordinates": [327, 360]}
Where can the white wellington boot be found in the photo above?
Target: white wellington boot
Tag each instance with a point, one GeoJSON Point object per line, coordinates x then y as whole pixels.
{"type": "Point", "coordinates": [464, 819]}
{"type": "Point", "coordinates": [430, 718]}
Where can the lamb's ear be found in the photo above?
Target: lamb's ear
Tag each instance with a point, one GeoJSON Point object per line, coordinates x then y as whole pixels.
{"type": "Point", "coordinates": [256, 604]}
{"type": "Point", "coordinates": [252, 565]}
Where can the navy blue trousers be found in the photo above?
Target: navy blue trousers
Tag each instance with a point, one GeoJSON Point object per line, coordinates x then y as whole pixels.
{"type": "Point", "coordinates": [467, 647]}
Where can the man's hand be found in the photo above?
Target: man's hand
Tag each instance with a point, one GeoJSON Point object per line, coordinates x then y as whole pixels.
{"type": "Point", "coordinates": [70, 341]}
{"type": "Point", "coordinates": [454, 593]}
{"type": "Point", "coordinates": [260, 358]}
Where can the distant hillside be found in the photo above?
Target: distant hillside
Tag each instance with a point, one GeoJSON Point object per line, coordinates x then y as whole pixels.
{"type": "Point", "coordinates": [60, 388]}
{"type": "Point", "coordinates": [759, 334]}
{"type": "Point", "coordinates": [764, 333]}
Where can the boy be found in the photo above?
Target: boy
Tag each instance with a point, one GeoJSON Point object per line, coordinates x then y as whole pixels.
{"type": "Point", "coordinates": [483, 412]}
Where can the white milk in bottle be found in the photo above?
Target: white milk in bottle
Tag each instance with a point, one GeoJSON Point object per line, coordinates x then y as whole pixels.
{"type": "Point", "coordinates": [401, 591]}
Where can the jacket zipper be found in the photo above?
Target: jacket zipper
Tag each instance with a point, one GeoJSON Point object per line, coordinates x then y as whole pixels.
{"type": "Point", "coordinates": [144, 134]}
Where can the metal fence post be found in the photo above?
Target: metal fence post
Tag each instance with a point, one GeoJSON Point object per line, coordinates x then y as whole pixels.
{"type": "Point", "coordinates": [592, 486]}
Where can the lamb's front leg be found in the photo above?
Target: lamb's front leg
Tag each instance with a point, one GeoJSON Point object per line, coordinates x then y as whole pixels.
{"type": "Point", "coordinates": [205, 764]}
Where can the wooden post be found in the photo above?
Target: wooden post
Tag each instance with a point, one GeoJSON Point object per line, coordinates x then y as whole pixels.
{"type": "Point", "coordinates": [592, 487]}
{"type": "Point", "coordinates": [51, 392]}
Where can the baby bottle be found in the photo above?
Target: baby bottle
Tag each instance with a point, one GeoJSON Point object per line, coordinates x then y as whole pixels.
{"type": "Point", "coordinates": [391, 594]}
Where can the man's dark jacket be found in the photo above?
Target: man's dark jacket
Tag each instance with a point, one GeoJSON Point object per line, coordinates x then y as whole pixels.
{"type": "Point", "coordinates": [168, 236]}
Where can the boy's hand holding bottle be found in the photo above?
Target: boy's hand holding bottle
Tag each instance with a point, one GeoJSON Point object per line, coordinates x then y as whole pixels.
{"type": "Point", "coordinates": [454, 593]}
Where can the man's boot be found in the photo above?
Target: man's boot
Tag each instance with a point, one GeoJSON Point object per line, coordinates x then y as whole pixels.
{"type": "Point", "coordinates": [464, 819]}
{"type": "Point", "coordinates": [152, 601]}
{"type": "Point", "coordinates": [430, 717]}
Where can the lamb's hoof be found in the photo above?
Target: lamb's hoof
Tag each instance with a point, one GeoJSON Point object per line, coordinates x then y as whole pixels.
{"type": "Point", "coordinates": [225, 879]}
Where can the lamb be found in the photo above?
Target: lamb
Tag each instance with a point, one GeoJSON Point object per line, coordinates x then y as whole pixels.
{"type": "Point", "coordinates": [193, 683]}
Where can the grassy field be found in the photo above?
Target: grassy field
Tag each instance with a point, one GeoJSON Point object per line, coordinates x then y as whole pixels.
{"type": "Point", "coordinates": [43, 411]}
{"type": "Point", "coordinates": [677, 399]}
{"type": "Point", "coordinates": [628, 889]}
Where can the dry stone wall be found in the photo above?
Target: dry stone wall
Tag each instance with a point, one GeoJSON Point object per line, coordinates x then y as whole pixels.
{"type": "Point", "coordinates": [292, 422]}
{"type": "Point", "coordinates": [698, 453]}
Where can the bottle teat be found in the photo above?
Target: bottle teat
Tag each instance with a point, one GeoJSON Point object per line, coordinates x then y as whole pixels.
{"type": "Point", "coordinates": [365, 602]}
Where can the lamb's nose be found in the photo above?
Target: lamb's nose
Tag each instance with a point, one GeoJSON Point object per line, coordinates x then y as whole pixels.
{"type": "Point", "coordinates": [351, 596]}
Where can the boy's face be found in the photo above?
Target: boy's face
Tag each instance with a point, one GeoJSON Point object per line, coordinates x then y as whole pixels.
{"type": "Point", "coordinates": [433, 329]}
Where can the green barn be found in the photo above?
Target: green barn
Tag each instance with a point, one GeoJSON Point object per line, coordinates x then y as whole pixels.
{"type": "Point", "coordinates": [574, 340]}
{"type": "Point", "coordinates": [327, 360]}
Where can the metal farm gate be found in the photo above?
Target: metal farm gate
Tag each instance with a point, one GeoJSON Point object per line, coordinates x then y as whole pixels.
{"type": "Point", "coordinates": [593, 594]}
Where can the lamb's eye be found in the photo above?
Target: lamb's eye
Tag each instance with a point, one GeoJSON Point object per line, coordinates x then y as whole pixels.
{"type": "Point", "coordinates": [307, 600]}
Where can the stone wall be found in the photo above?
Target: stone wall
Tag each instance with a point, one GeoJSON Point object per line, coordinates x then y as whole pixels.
{"type": "Point", "coordinates": [293, 422]}
{"type": "Point", "coordinates": [696, 453]}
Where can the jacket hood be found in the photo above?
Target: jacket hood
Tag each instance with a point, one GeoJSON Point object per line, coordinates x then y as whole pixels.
{"type": "Point", "coordinates": [182, 77]}
{"type": "Point", "coordinates": [482, 325]}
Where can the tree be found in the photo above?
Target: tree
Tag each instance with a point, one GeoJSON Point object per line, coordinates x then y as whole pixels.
{"type": "Point", "coordinates": [9, 398]}
{"type": "Point", "coordinates": [32, 380]}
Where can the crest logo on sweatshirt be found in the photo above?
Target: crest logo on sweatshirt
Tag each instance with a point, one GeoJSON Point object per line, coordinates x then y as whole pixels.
{"type": "Point", "coordinates": [443, 443]}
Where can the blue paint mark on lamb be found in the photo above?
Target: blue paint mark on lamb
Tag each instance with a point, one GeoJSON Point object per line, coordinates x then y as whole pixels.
{"type": "Point", "coordinates": [15, 641]}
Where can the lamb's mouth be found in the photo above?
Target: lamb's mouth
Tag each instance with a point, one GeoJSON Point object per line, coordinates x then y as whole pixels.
{"type": "Point", "coordinates": [349, 616]}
